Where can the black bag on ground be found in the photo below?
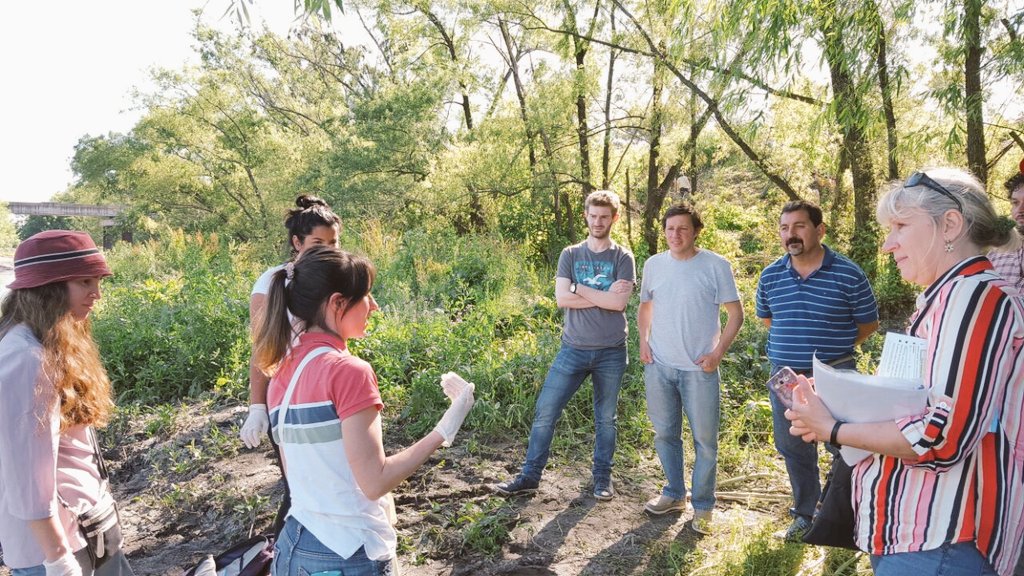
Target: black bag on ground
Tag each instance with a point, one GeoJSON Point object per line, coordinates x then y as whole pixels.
{"type": "Point", "coordinates": [833, 523]}
{"type": "Point", "coordinates": [250, 557]}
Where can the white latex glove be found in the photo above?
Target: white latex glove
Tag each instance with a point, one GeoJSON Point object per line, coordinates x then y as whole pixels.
{"type": "Point", "coordinates": [450, 423]}
{"type": "Point", "coordinates": [256, 425]}
{"type": "Point", "coordinates": [453, 385]}
{"type": "Point", "coordinates": [66, 565]}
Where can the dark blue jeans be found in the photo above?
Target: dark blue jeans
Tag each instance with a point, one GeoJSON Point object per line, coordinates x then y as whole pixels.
{"type": "Point", "coordinates": [801, 457]}
{"type": "Point", "coordinates": [605, 367]}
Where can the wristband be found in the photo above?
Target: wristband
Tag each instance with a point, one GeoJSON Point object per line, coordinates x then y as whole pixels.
{"type": "Point", "coordinates": [835, 432]}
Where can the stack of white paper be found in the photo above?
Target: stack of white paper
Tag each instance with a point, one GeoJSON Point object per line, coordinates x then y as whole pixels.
{"type": "Point", "coordinates": [896, 392]}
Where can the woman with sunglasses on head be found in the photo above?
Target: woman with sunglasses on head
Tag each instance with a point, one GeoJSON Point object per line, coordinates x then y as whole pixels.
{"type": "Point", "coordinates": [310, 223]}
{"type": "Point", "coordinates": [53, 391]}
{"type": "Point", "coordinates": [943, 492]}
{"type": "Point", "coordinates": [325, 415]}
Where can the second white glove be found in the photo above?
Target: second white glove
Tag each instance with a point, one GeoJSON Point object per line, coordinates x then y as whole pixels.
{"type": "Point", "coordinates": [256, 425]}
{"type": "Point", "coordinates": [453, 385]}
{"type": "Point", "coordinates": [66, 565]}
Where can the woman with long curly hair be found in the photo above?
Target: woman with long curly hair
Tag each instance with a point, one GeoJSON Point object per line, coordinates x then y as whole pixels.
{"type": "Point", "coordinates": [57, 515]}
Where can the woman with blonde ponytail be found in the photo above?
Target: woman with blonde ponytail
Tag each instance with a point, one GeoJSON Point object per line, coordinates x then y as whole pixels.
{"type": "Point", "coordinates": [57, 516]}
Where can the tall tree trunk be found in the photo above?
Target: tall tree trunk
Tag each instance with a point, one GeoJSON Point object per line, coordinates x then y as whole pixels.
{"type": "Point", "coordinates": [882, 64]}
{"type": "Point", "coordinates": [449, 43]}
{"type": "Point", "coordinates": [974, 97]}
{"type": "Point", "coordinates": [839, 196]}
{"type": "Point", "coordinates": [629, 213]}
{"type": "Point", "coordinates": [513, 64]}
{"type": "Point", "coordinates": [851, 117]}
{"type": "Point", "coordinates": [695, 130]}
{"type": "Point", "coordinates": [580, 48]}
{"type": "Point", "coordinates": [607, 147]}
{"type": "Point", "coordinates": [556, 200]}
{"type": "Point", "coordinates": [653, 202]}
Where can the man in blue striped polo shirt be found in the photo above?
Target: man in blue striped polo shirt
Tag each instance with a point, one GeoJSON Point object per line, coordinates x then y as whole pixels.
{"type": "Point", "coordinates": [814, 301]}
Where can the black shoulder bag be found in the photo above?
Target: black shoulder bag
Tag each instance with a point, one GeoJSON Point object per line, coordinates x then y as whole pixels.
{"type": "Point", "coordinates": [833, 522]}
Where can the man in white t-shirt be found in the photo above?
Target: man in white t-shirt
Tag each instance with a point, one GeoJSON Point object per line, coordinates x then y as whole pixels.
{"type": "Point", "coordinates": [681, 344]}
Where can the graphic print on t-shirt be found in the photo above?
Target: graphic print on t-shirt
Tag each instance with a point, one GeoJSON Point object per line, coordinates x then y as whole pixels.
{"type": "Point", "coordinates": [598, 275]}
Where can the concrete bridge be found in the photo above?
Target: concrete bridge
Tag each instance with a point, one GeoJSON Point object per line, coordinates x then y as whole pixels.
{"type": "Point", "coordinates": [65, 209]}
{"type": "Point", "coordinates": [105, 211]}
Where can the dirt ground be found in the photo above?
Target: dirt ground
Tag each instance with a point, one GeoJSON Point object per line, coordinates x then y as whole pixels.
{"type": "Point", "coordinates": [190, 489]}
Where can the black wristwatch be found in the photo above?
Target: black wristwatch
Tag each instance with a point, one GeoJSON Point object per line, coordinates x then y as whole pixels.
{"type": "Point", "coordinates": [572, 288]}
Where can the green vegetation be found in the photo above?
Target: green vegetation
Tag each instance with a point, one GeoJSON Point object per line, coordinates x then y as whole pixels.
{"type": "Point", "coordinates": [458, 149]}
{"type": "Point", "coordinates": [174, 321]}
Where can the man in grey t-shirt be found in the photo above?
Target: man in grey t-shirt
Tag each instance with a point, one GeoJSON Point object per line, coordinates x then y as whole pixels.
{"type": "Point", "coordinates": [681, 345]}
{"type": "Point", "coordinates": [594, 281]}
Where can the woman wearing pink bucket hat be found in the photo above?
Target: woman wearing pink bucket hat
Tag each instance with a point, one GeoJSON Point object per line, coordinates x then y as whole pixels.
{"type": "Point", "coordinates": [57, 514]}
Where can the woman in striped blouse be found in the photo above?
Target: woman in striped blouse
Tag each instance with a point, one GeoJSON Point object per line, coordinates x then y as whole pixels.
{"type": "Point", "coordinates": [944, 491]}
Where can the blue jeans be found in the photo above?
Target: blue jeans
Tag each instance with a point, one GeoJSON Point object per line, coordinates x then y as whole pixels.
{"type": "Point", "coordinates": [605, 367]}
{"type": "Point", "coordinates": [670, 393]}
{"type": "Point", "coordinates": [299, 553]}
{"type": "Point", "coordinates": [961, 559]}
{"type": "Point", "coordinates": [84, 561]}
{"type": "Point", "coordinates": [801, 457]}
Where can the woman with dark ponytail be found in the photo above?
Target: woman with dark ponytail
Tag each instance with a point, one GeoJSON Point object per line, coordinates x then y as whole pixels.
{"type": "Point", "coordinates": [310, 223]}
{"type": "Point", "coordinates": [325, 416]}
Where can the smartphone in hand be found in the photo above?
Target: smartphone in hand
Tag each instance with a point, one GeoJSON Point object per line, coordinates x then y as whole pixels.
{"type": "Point", "coordinates": [782, 384]}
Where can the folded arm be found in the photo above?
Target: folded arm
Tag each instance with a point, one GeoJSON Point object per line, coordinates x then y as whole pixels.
{"type": "Point", "coordinates": [614, 299]}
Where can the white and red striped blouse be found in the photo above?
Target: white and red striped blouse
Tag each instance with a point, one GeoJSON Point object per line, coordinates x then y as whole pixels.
{"type": "Point", "coordinates": [968, 482]}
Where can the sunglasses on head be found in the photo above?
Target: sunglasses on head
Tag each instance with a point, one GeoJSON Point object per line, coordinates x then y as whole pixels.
{"type": "Point", "coordinates": [922, 179]}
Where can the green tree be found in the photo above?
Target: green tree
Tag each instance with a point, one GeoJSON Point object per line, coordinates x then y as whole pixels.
{"type": "Point", "coordinates": [8, 233]}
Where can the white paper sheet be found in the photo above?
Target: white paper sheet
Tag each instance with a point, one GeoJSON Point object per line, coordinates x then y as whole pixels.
{"type": "Point", "coordinates": [854, 397]}
{"type": "Point", "coordinates": [903, 356]}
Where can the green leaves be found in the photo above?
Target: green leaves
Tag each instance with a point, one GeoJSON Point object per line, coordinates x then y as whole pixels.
{"type": "Point", "coordinates": [173, 320]}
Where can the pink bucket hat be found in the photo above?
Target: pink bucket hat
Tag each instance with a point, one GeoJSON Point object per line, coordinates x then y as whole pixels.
{"type": "Point", "coordinates": [56, 256]}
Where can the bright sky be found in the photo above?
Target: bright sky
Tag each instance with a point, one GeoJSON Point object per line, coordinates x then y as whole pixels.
{"type": "Point", "coordinates": [69, 68]}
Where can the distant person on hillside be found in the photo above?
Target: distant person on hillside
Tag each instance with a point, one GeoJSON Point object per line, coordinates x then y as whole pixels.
{"type": "Point", "coordinates": [943, 491]}
{"type": "Point", "coordinates": [325, 415]}
{"type": "Point", "coordinates": [1010, 263]}
{"type": "Point", "coordinates": [681, 344]}
{"type": "Point", "coordinates": [53, 392]}
{"type": "Point", "coordinates": [592, 285]}
{"type": "Point", "coordinates": [814, 302]}
{"type": "Point", "coordinates": [310, 223]}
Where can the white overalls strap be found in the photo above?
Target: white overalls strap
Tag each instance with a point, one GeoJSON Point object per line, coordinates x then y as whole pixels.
{"type": "Point", "coordinates": [283, 410]}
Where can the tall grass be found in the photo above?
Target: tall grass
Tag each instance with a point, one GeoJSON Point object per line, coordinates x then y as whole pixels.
{"type": "Point", "coordinates": [173, 321]}
{"type": "Point", "coordinates": [173, 325]}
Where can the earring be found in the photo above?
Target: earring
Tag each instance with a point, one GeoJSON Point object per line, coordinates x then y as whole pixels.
{"type": "Point", "coordinates": [949, 246]}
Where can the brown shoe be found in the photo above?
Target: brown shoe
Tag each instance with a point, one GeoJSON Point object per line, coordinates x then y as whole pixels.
{"type": "Point", "coordinates": [664, 504]}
